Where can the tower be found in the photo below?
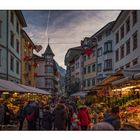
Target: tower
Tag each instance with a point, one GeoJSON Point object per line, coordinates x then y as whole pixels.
{"type": "Point", "coordinates": [49, 69]}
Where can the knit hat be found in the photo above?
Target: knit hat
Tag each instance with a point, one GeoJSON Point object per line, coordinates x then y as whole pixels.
{"type": "Point", "coordinates": [103, 126]}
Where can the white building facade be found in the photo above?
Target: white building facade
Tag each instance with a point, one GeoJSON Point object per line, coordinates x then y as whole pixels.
{"type": "Point", "coordinates": [11, 23]}
{"type": "Point", "coordinates": [126, 32]}
{"type": "Point", "coordinates": [105, 53]}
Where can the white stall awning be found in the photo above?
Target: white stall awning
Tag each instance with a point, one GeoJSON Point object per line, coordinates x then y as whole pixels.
{"type": "Point", "coordinates": [11, 86]}
{"type": "Point", "coordinates": [34, 90]}
{"type": "Point", "coordinates": [80, 93]}
{"type": "Point", "coordinates": [121, 81]}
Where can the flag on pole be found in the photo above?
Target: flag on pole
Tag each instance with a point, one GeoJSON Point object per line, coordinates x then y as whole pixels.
{"type": "Point", "coordinates": [38, 48]}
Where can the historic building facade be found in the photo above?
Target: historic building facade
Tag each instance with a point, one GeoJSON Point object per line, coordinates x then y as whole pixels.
{"type": "Point", "coordinates": [28, 64]}
{"type": "Point", "coordinates": [11, 23]}
{"type": "Point", "coordinates": [105, 53]}
{"type": "Point", "coordinates": [126, 31]}
{"type": "Point", "coordinates": [47, 71]}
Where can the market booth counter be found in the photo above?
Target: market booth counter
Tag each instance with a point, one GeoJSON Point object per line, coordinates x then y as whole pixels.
{"type": "Point", "coordinates": [14, 96]}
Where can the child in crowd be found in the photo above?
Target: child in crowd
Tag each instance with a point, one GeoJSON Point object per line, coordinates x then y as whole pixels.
{"type": "Point", "coordinates": [75, 123]}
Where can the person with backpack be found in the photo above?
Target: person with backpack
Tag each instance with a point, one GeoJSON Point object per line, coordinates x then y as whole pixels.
{"type": "Point", "coordinates": [30, 116]}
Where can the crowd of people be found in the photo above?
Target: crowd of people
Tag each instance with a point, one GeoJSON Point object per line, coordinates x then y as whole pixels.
{"type": "Point", "coordinates": [62, 113]}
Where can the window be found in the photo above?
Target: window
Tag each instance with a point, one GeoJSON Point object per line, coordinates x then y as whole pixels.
{"type": "Point", "coordinates": [17, 27]}
{"type": "Point", "coordinates": [85, 70]}
{"type": "Point", "coordinates": [12, 17]}
{"type": "Point", "coordinates": [108, 33]}
{"type": "Point", "coordinates": [0, 57]}
{"type": "Point", "coordinates": [128, 25]}
{"type": "Point", "coordinates": [122, 51]}
{"type": "Point", "coordinates": [29, 67]}
{"type": "Point", "coordinates": [12, 39]}
{"type": "Point", "coordinates": [100, 38]}
{"type": "Point", "coordinates": [117, 55]}
{"type": "Point", "coordinates": [12, 63]}
{"type": "Point", "coordinates": [108, 64]}
{"type": "Point", "coordinates": [49, 83]}
{"type": "Point", "coordinates": [135, 61]}
{"type": "Point", "coordinates": [128, 47]}
{"type": "Point", "coordinates": [135, 41]}
{"type": "Point", "coordinates": [89, 69]}
{"type": "Point", "coordinates": [99, 52]}
{"type": "Point", "coordinates": [88, 82]}
{"type": "Point", "coordinates": [93, 53]}
{"type": "Point", "coordinates": [49, 69]}
{"type": "Point", "coordinates": [93, 81]}
{"type": "Point", "coordinates": [107, 47]}
{"type": "Point", "coordinates": [77, 65]}
{"type": "Point", "coordinates": [99, 67]}
{"type": "Point", "coordinates": [121, 68]}
{"type": "Point", "coordinates": [72, 68]}
{"type": "Point", "coordinates": [122, 31]}
{"type": "Point", "coordinates": [17, 67]}
{"type": "Point", "coordinates": [134, 16]}
{"type": "Point", "coordinates": [127, 65]}
{"type": "Point", "coordinates": [84, 58]}
{"type": "Point", "coordinates": [17, 49]}
{"type": "Point", "coordinates": [117, 37]}
{"type": "Point", "coordinates": [93, 67]}
{"type": "Point", "coordinates": [0, 28]}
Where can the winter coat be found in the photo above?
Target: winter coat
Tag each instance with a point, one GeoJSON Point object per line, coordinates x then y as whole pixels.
{"type": "Point", "coordinates": [2, 112]}
{"type": "Point", "coordinates": [83, 117]}
{"type": "Point", "coordinates": [59, 118]}
{"type": "Point", "coordinates": [114, 120]}
{"type": "Point", "coordinates": [22, 114]}
{"type": "Point", "coordinates": [47, 120]}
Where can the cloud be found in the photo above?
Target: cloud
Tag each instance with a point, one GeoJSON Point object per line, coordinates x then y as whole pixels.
{"type": "Point", "coordinates": [66, 28]}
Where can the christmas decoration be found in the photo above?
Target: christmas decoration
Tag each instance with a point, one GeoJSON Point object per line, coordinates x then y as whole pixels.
{"type": "Point", "coordinates": [26, 58]}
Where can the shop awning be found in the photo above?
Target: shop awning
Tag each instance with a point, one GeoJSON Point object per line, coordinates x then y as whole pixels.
{"type": "Point", "coordinates": [11, 86]}
{"type": "Point", "coordinates": [137, 76]}
{"type": "Point", "coordinates": [34, 90]}
{"type": "Point", "coordinates": [121, 81]}
{"type": "Point", "coordinates": [130, 72]}
{"type": "Point", "coordinates": [80, 93]}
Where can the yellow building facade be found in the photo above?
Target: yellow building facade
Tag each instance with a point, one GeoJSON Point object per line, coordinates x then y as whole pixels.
{"type": "Point", "coordinates": [28, 64]}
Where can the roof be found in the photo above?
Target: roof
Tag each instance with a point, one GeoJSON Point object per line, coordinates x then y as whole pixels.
{"type": "Point", "coordinates": [72, 53]}
{"type": "Point", "coordinates": [21, 18]}
{"type": "Point", "coordinates": [122, 14]}
{"type": "Point", "coordinates": [23, 32]}
{"type": "Point", "coordinates": [104, 28]}
{"type": "Point", "coordinates": [14, 87]}
{"type": "Point", "coordinates": [48, 51]}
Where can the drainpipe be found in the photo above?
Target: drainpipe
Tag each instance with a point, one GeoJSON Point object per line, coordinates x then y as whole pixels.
{"type": "Point", "coordinates": [7, 36]}
{"type": "Point", "coordinates": [96, 44]}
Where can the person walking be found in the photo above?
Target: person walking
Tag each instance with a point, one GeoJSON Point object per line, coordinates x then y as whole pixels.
{"type": "Point", "coordinates": [22, 115]}
{"type": "Point", "coordinates": [47, 119]}
{"type": "Point", "coordinates": [59, 117]}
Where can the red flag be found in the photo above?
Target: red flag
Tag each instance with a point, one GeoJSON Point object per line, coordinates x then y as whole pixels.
{"type": "Point", "coordinates": [38, 48]}
{"type": "Point", "coordinates": [88, 51]}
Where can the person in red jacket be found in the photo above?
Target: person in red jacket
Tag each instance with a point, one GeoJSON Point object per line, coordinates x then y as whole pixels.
{"type": "Point", "coordinates": [84, 117]}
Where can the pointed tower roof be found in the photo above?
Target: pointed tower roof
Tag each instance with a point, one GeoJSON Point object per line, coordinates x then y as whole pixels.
{"type": "Point", "coordinates": [49, 51]}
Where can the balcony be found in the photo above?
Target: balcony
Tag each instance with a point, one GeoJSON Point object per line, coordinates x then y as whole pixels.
{"type": "Point", "coordinates": [107, 69]}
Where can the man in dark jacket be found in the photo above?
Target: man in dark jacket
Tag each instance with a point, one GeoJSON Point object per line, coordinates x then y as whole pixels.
{"type": "Point", "coordinates": [47, 119]}
{"type": "Point", "coordinates": [59, 117]}
{"type": "Point", "coordinates": [113, 118]}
